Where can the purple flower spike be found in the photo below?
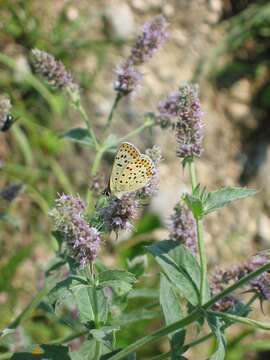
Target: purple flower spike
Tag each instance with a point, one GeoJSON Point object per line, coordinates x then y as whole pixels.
{"type": "Point", "coordinates": [128, 79]}
{"type": "Point", "coordinates": [150, 41]}
{"type": "Point", "coordinates": [183, 227]}
{"type": "Point", "coordinates": [82, 239]}
{"type": "Point", "coordinates": [120, 213]}
{"type": "Point", "coordinates": [51, 70]}
{"type": "Point", "coordinates": [182, 111]}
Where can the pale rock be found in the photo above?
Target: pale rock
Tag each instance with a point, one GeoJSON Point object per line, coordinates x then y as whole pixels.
{"type": "Point", "coordinates": [241, 90]}
{"type": "Point", "coordinates": [263, 230]}
{"type": "Point", "coordinates": [238, 110]}
{"type": "Point", "coordinates": [72, 13]}
{"type": "Point", "coordinates": [180, 37]}
{"type": "Point", "coordinates": [121, 20]}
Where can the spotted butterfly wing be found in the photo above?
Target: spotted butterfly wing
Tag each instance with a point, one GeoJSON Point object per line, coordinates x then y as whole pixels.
{"type": "Point", "coordinates": [131, 170]}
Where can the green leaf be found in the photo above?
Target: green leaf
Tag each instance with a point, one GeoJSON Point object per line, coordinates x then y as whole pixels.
{"type": "Point", "coordinates": [78, 135]}
{"type": "Point", "coordinates": [223, 197]}
{"type": "Point", "coordinates": [216, 326]}
{"type": "Point", "coordinates": [105, 335]}
{"type": "Point", "coordinates": [120, 281]}
{"type": "Point", "coordinates": [76, 289]}
{"type": "Point", "coordinates": [170, 304]}
{"type": "Point", "coordinates": [89, 350]}
{"type": "Point", "coordinates": [134, 316]}
{"type": "Point", "coordinates": [194, 204]}
{"type": "Point", "coordinates": [47, 352]}
{"type": "Point", "coordinates": [180, 266]}
{"type": "Point", "coordinates": [169, 301]}
{"type": "Point", "coordinates": [143, 293]}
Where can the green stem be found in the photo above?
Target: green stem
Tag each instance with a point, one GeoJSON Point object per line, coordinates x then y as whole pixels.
{"type": "Point", "coordinates": [201, 244]}
{"type": "Point", "coordinates": [201, 339]}
{"type": "Point", "coordinates": [69, 338]}
{"type": "Point", "coordinates": [243, 320]}
{"type": "Point", "coordinates": [97, 351]}
{"type": "Point", "coordinates": [88, 124]}
{"type": "Point", "coordinates": [192, 172]}
{"type": "Point", "coordinates": [118, 97]}
{"type": "Point", "coordinates": [97, 161]}
{"type": "Point", "coordinates": [155, 336]}
{"type": "Point", "coordinates": [149, 123]}
{"type": "Point", "coordinates": [237, 285]}
{"type": "Point", "coordinates": [76, 102]}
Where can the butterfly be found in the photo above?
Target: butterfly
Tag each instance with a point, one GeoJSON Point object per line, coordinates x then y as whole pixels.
{"type": "Point", "coordinates": [131, 170]}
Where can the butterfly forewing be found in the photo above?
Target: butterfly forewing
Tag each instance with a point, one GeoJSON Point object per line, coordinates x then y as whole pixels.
{"type": "Point", "coordinates": [125, 155]}
{"type": "Point", "coordinates": [136, 174]}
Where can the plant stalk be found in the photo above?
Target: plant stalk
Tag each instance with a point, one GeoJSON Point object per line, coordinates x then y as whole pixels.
{"type": "Point", "coordinates": [201, 244]}
{"type": "Point", "coordinates": [118, 97]}
{"type": "Point", "coordinates": [155, 336]}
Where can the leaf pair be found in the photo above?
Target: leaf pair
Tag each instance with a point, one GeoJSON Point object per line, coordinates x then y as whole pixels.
{"type": "Point", "coordinates": [202, 202]}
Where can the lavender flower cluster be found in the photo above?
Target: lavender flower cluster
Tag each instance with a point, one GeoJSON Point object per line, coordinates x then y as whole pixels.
{"type": "Point", "coordinates": [182, 111]}
{"type": "Point", "coordinates": [183, 228]}
{"type": "Point", "coordinates": [120, 213]}
{"type": "Point", "coordinates": [259, 285]}
{"type": "Point", "coordinates": [83, 240]}
{"type": "Point", "coordinates": [148, 43]}
{"type": "Point", "coordinates": [53, 71]}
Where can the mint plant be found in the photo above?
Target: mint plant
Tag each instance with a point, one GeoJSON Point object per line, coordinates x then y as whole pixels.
{"type": "Point", "coordinates": [91, 298]}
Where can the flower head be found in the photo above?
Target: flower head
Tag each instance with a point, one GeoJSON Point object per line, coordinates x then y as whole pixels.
{"type": "Point", "coordinates": [153, 36]}
{"type": "Point", "coordinates": [51, 70]}
{"type": "Point", "coordinates": [128, 78]}
{"type": "Point", "coordinates": [261, 284]}
{"type": "Point", "coordinates": [182, 110]}
{"type": "Point", "coordinates": [120, 213]}
{"type": "Point", "coordinates": [83, 240]}
{"type": "Point", "coordinates": [183, 227]}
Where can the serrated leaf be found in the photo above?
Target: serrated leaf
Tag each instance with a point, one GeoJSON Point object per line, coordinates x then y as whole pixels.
{"type": "Point", "coordinates": [78, 135]}
{"type": "Point", "coordinates": [88, 350]}
{"type": "Point", "coordinates": [143, 293]}
{"type": "Point", "coordinates": [44, 352]}
{"type": "Point", "coordinates": [120, 281]}
{"type": "Point", "coordinates": [77, 288]}
{"type": "Point", "coordinates": [216, 326]}
{"type": "Point", "coordinates": [194, 204]}
{"type": "Point", "coordinates": [135, 316]}
{"type": "Point", "coordinates": [170, 304]}
{"type": "Point", "coordinates": [180, 266]}
{"type": "Point", "coordinates": [223, 197]}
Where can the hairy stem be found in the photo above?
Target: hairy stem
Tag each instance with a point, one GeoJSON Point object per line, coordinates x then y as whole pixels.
{"type": "Point", "coordinates": [194, 315]}
{"type": "Point", "coordinates": [201, 244]}
{"type": "Point", "coordinates": [88, 124]}
{"type": "Point", "coordinates": [118, 97]}
{"type": "Point", "coordinates": [148, 124]}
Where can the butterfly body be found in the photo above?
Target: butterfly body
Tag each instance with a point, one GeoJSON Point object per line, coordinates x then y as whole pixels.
{"type": "Point", "coordinates": [7, 123]}
{"type": "Point", "coordinates": [131, 170]}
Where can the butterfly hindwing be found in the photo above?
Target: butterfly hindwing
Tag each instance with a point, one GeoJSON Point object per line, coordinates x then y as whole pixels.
{"type": "Point", "coordinates": [136, 174]}
{"type": "Point", "coordinates": [131, 170]}
{"type": "Point", "coordinates": [125, 154]}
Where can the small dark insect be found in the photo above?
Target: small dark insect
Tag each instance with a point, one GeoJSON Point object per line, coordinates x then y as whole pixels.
{"type": "Point", "coordinates": [7, 123]}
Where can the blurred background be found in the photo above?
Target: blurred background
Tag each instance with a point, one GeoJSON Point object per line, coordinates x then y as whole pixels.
{"type": "Point", "coordinates": [224, 46]}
